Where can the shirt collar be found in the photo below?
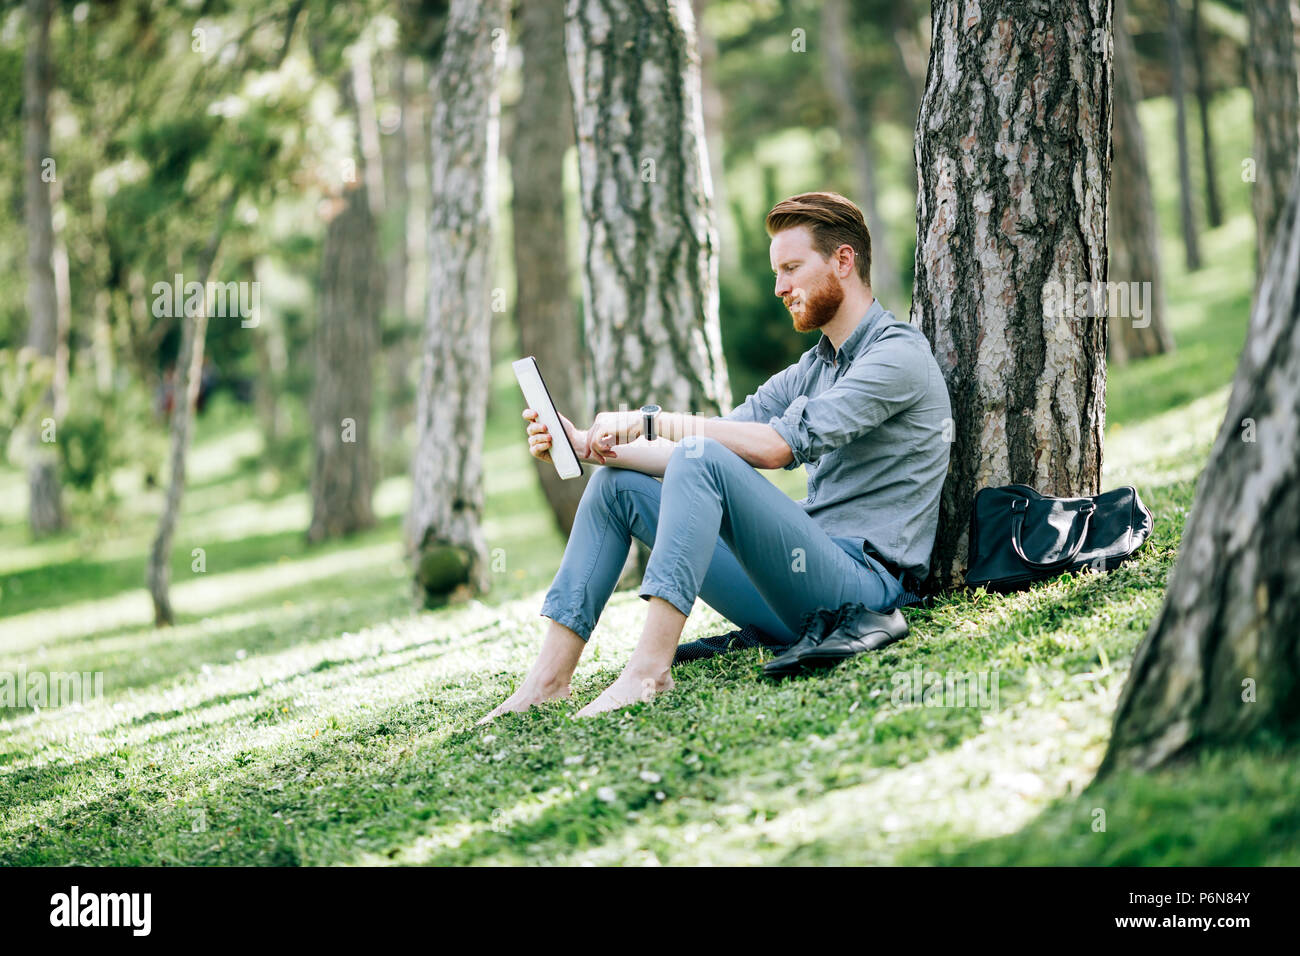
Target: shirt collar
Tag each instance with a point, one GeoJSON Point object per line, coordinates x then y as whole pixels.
{"type": "Point", "coordinates": [826, 352]}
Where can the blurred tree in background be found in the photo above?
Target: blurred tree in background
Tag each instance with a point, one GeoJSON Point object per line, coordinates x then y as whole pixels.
{"type": "Point", "coordinates": [1133, 234]}
{"type": "Point", "coordinates": [1271, 68]}
{"type": "Point", "coordinates": [546, 316]}
{"type": "Point", "coordinates": [47, 330]}
{"type": "Point", "coordinates": [444, 525]}
{"type": "Point", "coordinates": [649, 237]}
{"type": "Point", "coordinates": [352, 294]}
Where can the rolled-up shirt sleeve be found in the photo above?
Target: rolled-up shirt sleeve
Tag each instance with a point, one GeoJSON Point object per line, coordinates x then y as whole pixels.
{"type": "Point", "coordinates": [878, 385]}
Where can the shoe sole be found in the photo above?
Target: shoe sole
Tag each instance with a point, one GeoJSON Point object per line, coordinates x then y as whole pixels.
{"type": "Point", "coordinates": [816, 659]}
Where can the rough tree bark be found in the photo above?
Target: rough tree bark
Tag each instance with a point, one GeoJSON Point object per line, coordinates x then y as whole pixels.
{"type": "Point", "coordinates": [1134, 234]}
{"type": "Point", "coordinates": [45, 504]}
{"type": "Point", "coordinates": [444, 533]}
{"type": "Point", "coordinates": [189, 370]}
{"type": "Point", "coordinates": [1178, 80]}
{"type": "Point", "coordinates": [1222, 660]}
{"type": "Point", "coordinates": [650, 248]}
{"type": "Point", "coordinates": [1200, 57]}
{"type": "Point", "coordinates": [1275, 87]}
{"type": "Point", "coordinates": [548, 325]}
{"type": "Point", "coordinates": [342, 479]}
{"type": "Point", "coordinates": [853, 124]}
{"type": "Point", "coordinates": [1013, 161]}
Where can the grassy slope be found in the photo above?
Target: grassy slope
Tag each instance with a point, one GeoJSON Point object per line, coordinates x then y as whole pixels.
{"type": "Point", "coordinates": [298, 714]}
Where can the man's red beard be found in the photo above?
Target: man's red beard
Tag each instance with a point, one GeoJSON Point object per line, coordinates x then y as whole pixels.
{"type": "Point", "coordinates": [819, 305]}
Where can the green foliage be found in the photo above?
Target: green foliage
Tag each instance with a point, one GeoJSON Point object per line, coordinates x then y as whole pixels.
{"type": "Point", "coordinates": [25, 377]}
{"type": "Point", "coordinates": [103, 432]}
{"type": "Point", "coordinates": [84, 450]}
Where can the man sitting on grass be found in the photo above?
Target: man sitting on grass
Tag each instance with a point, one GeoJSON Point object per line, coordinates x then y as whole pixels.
{"type": "Point", "coordinates": [864, 410]}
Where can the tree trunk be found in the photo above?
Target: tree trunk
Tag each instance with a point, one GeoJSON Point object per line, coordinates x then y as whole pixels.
{"type": "Point", "coordinates": [342, 480]}
{"type": "Point", "coordinates": [713, 108]}
{"type": "Point", "coordinates": [189, 370]}
{"type": "Point", "coordinates": [1186, 196]}
{"type": "Point", "coordinates": [1220, 662]}
{"type": "Point", "coordinates": [444, 530]}
{"type": "Point", "coordinates": [650, 248]}
{"type": "Point", "coordinates": [102, 342]}
{"type": "Point", "coordinates": [1013, 159]}
{"type": "Point", "coordinates": [63, 298]}
{"type": "Point", "coordinates": [857, 140]}
{"type": "Point", "coordinates": [1134, 234]}
{"type": "Point", "coordinates": [1213, 207]}
{"type": "Point", "coordinates": [362, 97]}
{"type": "Point", "coordinates": [1271, 68]}
{"type": "Point", "coordinates": [548, 327]}
{"type": "Point", "coordinates": [909, 53]}
{"type": "Point", "coordinates": [45, 505]}
{"type": "Point", "coordinates": [271, 354]}
{"type": "Point", "coordinates": [397, 325]}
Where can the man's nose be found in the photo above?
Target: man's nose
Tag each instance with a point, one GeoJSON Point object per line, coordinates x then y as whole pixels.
{"type": "Point", "coordinates": [783, 286]}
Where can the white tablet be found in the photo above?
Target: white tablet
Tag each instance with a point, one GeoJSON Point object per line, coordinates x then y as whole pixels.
{"type": "Point", "coordinates": [563, 455]}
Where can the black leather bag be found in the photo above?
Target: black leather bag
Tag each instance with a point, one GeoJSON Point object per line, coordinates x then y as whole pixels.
{"type": "Point", "coordinates": [1019, 536]}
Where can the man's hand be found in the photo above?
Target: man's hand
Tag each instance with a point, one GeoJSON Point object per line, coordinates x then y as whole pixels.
{"type": "Point", "coordinates": [539, 438]}
{"type": "Point", "coordinates": [613, 428]}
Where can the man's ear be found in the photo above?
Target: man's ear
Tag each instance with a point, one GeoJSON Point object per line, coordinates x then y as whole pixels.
{"type": "Point", "coordinates": [845, 260]}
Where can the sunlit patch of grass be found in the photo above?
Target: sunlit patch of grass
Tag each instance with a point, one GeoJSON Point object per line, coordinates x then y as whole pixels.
{"type": "Point", "coordinates": [1226, 808]}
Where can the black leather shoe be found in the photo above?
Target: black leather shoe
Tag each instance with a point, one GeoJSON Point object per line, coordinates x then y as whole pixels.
{"type": "Point", "coordinates": [812, 630]}
{"type": "Point", "coordinates": [855, 628]}
{"type": "Point", "coordinates": [747, 637]}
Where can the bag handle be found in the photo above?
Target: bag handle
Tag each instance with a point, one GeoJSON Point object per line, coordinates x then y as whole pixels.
{"type": "Point", "coordinates": [1019, 507]}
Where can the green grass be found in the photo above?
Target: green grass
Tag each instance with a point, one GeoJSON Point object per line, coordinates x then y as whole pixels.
{"type": "Point", "coordinates": [300, 713]}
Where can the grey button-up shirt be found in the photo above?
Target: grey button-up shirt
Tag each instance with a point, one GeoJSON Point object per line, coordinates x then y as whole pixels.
{"type": "Point", "coordinates": [870, 424]}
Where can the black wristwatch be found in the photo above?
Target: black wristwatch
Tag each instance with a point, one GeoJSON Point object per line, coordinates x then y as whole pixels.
{"type": "Point", "coordinates": [648, 415]}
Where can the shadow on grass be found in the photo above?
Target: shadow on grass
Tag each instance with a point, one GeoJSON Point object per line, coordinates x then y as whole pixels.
{"type": "Point", "coordinates": [159, 655]}
{"type": "Point", "coordinates": [359, 667]}
{"type": "Point", "coordinates": [61, 583]}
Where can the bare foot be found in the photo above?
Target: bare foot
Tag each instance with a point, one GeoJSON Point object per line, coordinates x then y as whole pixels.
{"type": "Point", "coordinates": [628, 689]}
{"type": "Point", "coordinates": [525, 697]}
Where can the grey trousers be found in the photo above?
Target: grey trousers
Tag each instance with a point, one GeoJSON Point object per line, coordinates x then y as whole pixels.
{"type": "Point", "coordinates": [717, 530]}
